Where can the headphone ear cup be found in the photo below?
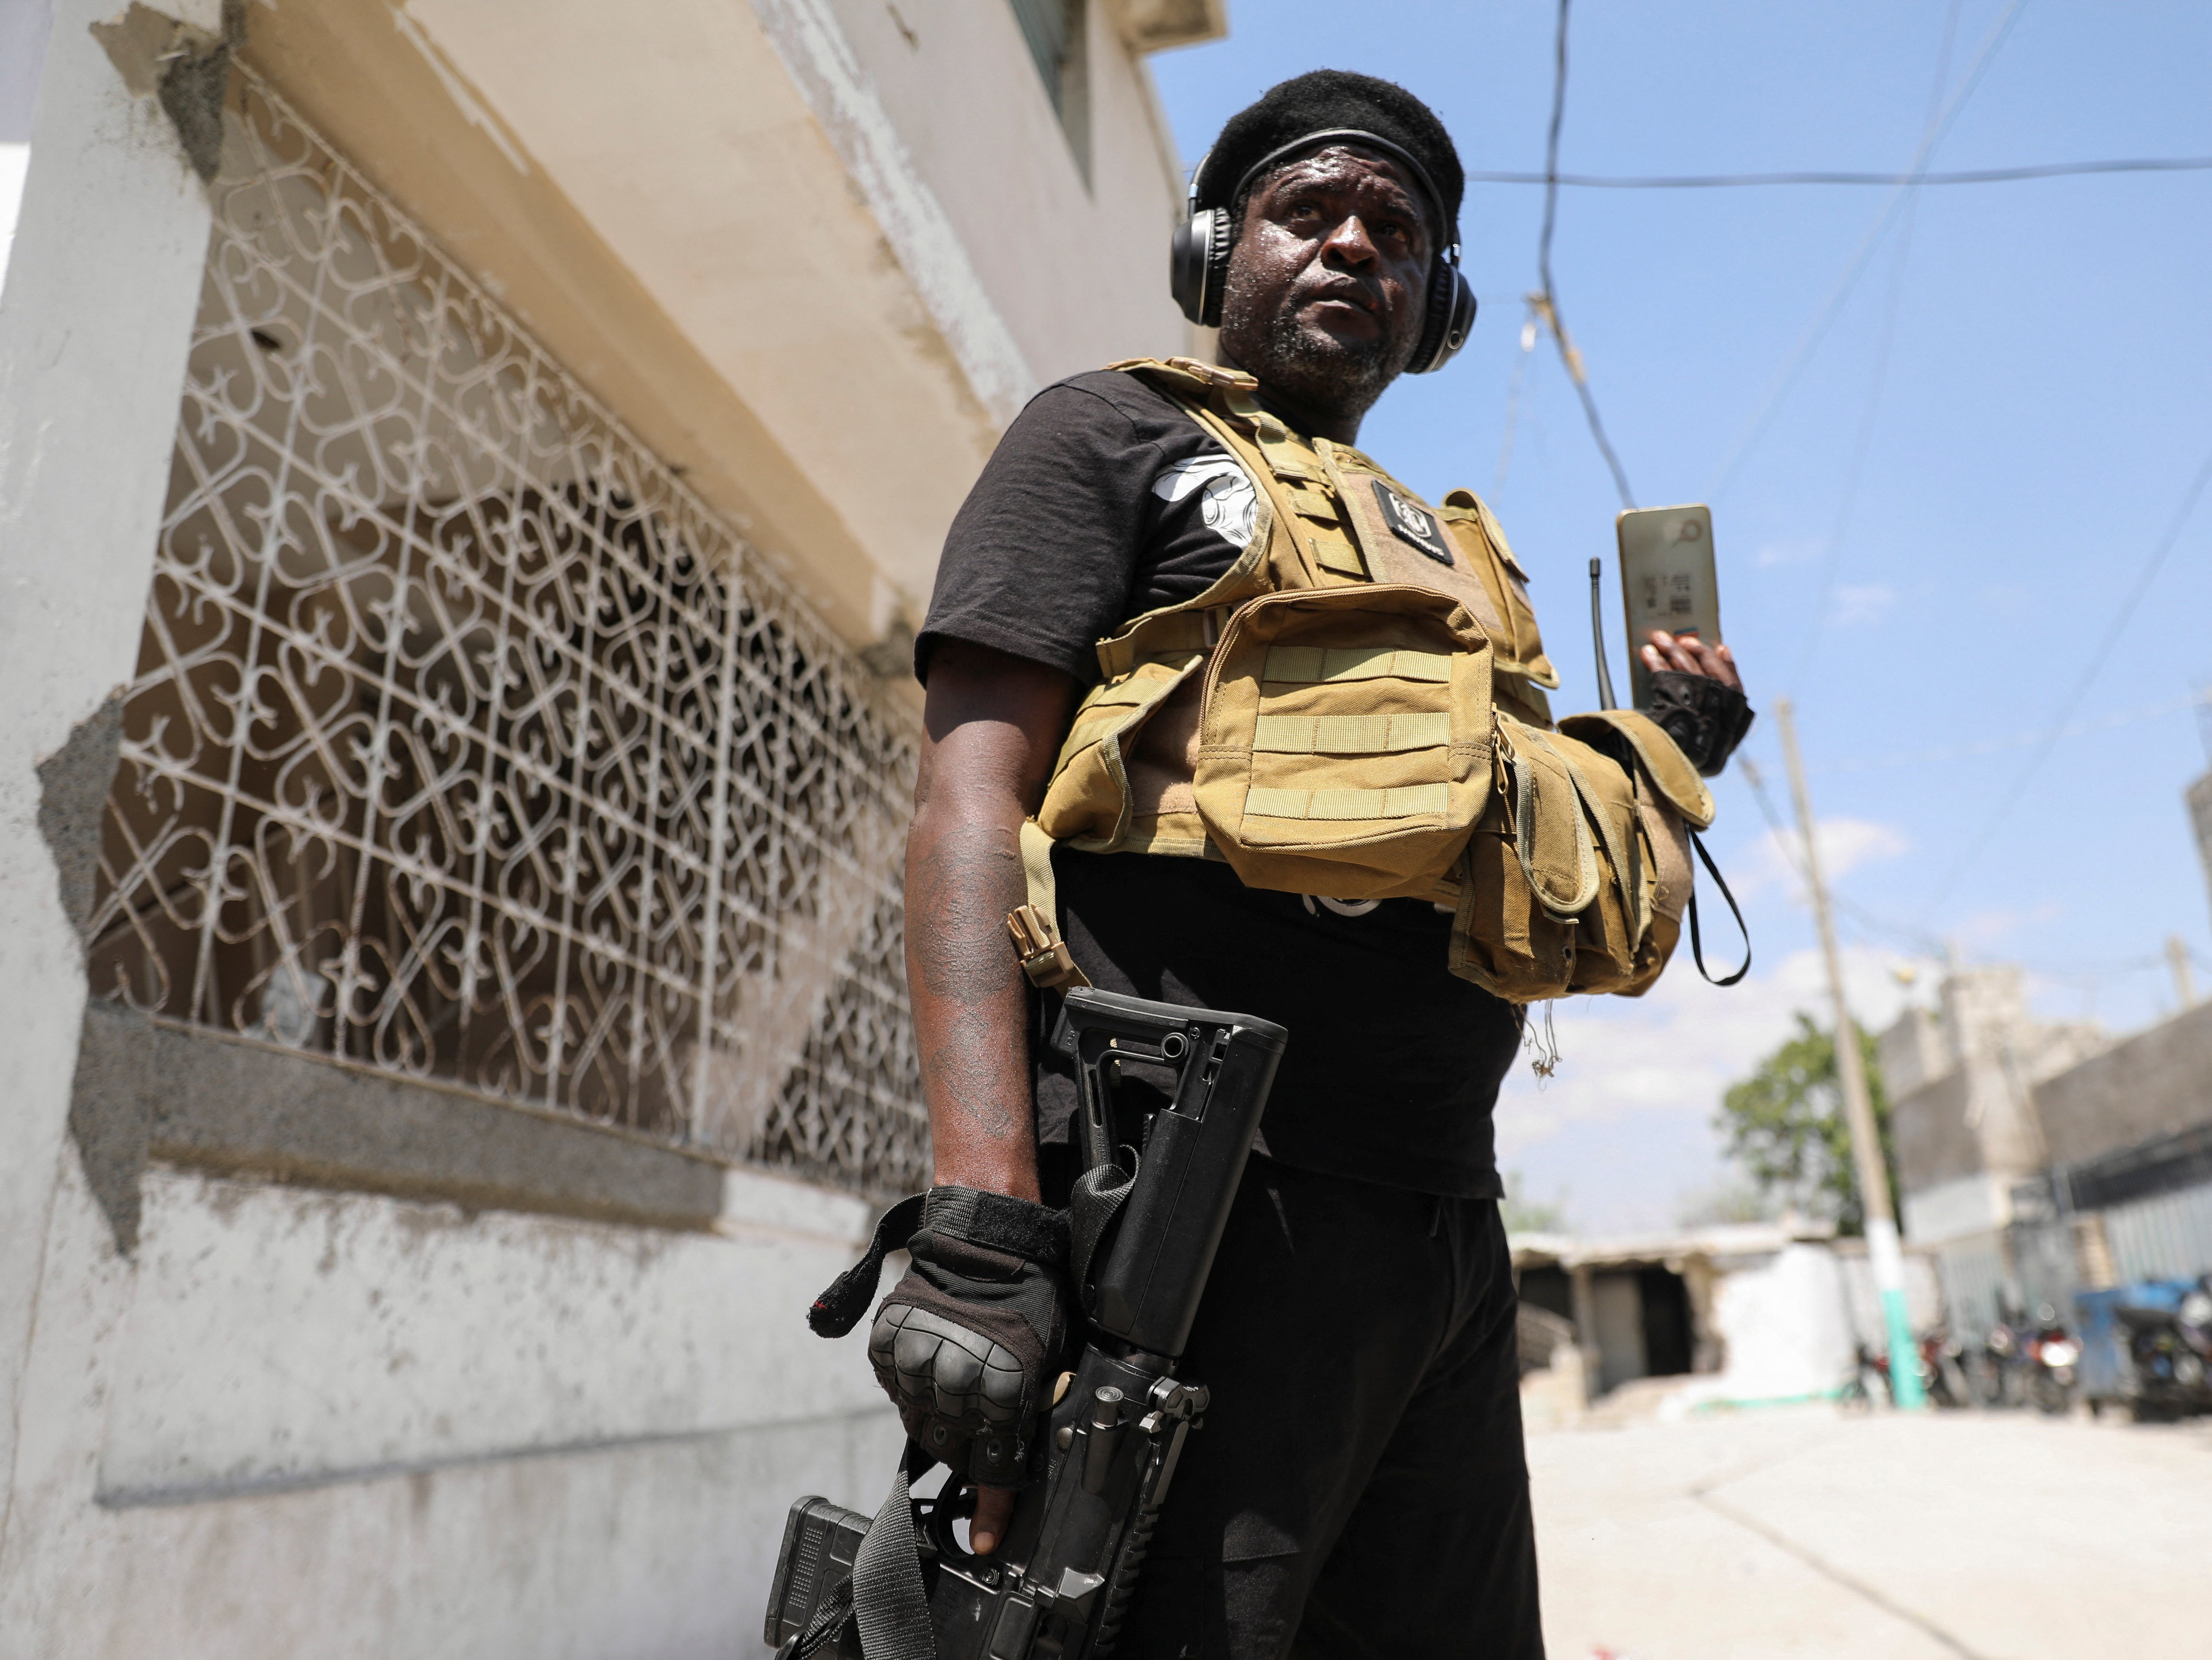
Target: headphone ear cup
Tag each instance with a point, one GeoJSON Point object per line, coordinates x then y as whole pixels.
{"type": "Point", "coordinates": [1198, 265]}
{"type": "Point", "coordinates": [1222, 241]}
{"type": "Point", "coordinates": [1448, 321]}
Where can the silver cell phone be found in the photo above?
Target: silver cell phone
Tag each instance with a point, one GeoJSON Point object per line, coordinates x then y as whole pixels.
{"type": "Point", "coordinates": [1667, 581]}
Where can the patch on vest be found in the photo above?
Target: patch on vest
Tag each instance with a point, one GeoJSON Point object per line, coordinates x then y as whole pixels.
{"type": "Point", "coordinates": [1413, 524]}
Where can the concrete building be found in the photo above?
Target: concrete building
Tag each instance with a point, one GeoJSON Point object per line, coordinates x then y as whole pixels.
{"type": "Point", "coordinates": [1961, 1080]}
{"type": "Point", "coordinates": [469, 475]}
{"type": "Point", "coordinates": [1735, 1315]}
{"type": "Point", "coordinates": [2035, 1160]}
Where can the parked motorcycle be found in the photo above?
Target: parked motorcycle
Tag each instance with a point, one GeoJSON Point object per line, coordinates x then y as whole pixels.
{"type": "Point", "coordinates": [2053, 1359]}
{"type": "Point", "coordinates": [1941, 1379]}
{"type": "Point", "coordinates": [1942, 1368]}
{"type": "Point", "coordinates": [1999, 1366]}
{"type": "Point", "coordinates": [2168, 1329]}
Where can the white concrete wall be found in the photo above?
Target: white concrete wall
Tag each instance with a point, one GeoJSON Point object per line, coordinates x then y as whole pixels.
{"type": "Point", "coordinates": [1956, 1209]}
{"type": "Point", "coordinates": [1786, 1323]}
{"type": "Point", "coordinates": [301, 1423]}
{"type": "Point", "coordinates": [95, 321]}
{"type": "Point", "coordinates": [1079, 269]}
{"type": "Point", "coordinates": [305, 1423]}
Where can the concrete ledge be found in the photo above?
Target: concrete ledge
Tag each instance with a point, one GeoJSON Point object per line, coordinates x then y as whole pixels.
{"type": "Point", "coordinates": [147, 1090]}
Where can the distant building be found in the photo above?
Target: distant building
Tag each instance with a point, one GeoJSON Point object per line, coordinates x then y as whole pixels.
{"type": "Point", "coordinates": [1741, 1314]}
{"type": "Point", "coordinates": [2035, 1159]}
{"type": "Point", "coordinates": [470, 475]}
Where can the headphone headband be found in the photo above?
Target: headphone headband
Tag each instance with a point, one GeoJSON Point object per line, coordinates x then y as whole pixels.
{"type": "Point", "coordinates": [1447, 230]}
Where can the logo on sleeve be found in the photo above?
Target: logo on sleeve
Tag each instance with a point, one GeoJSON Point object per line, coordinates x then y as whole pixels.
{"type": "Point", "coordinates": [1227, 500]}
{"type": "Point", "coordinates": [1413, 524]}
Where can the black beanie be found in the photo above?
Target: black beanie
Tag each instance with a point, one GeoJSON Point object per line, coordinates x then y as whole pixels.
{"type": "Point", "coordinates": [1322, 100]}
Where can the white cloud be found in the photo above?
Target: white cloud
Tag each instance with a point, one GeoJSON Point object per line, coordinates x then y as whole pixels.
{"type": "Point", "coordinates": [1845, 845]}
{"type": "Point", "coordinates": [1786, 551]}
{"type": "Point", "coordinates": [1625, 1125]}
{"type": "Point", "coordinates": [1984, 929]}
{"type": "Point", "coordinates": [1867, 604]}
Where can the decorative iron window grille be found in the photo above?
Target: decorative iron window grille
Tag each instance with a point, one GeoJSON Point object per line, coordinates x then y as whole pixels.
{"type": "Point", "coordinates": [468, 744]}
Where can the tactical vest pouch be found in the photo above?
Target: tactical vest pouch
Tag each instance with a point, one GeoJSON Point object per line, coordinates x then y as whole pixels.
{"type": "Point", "coordinates": [1555, 897]}
{"type": "Point", "coordinates": [1088, 802]}
{"type": "Point", "coordinates": [1344, 742]}
{"type": "Point", "coordinates": [1671, 800]}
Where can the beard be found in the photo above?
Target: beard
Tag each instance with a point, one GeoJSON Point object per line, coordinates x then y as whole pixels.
{"type": "Point", "coordinates": [1307, 362]}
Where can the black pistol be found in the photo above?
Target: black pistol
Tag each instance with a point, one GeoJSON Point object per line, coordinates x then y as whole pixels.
{"type": "Point", "coordinates": [1163, 1160]}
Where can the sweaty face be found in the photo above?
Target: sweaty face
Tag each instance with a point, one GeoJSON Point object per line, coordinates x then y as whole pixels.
{"type": "Point", "coordinates": [1329, 280]}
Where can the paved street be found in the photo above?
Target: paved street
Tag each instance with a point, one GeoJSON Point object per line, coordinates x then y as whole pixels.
{"type": "Point", "coordinates": [1996, 1536]}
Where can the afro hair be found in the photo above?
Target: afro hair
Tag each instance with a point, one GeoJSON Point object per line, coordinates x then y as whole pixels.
{"type": "Point", "coordinates": [1317, 103]}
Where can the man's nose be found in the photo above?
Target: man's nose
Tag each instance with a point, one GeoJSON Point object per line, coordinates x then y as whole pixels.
{"type": "Point", "coordinates": [1350, 242]}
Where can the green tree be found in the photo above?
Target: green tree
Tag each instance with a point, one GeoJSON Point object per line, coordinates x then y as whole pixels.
{"type": "Point", "coordinates": [1785, 1125]}
{"type": "Point", "coordinates": [1523, 1213]}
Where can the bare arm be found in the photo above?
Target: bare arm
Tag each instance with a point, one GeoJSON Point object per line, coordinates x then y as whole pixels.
{"type": "Point", "coordinates": [995, 724]}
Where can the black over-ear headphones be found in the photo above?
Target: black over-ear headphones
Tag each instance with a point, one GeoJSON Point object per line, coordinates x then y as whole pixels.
{"type": "Point", "coordinates": [1198, 258]}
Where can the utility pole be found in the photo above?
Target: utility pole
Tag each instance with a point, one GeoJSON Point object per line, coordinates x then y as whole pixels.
{"type": "Point", "coordinates": [1883, 1255]}
{"type": "Point", "coordinates": [2177, 959]}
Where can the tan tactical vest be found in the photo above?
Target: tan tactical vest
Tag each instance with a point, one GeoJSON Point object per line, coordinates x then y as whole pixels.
{"type": "Point", "coordinates": [1356, 709]}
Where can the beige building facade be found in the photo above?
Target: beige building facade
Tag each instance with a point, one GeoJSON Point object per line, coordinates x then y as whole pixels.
{"type": "Point", "coordinates": [469, 477]}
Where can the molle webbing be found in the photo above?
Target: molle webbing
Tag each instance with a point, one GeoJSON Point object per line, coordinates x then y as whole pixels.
{"type": "Point", "coordinates": [1355, 709]}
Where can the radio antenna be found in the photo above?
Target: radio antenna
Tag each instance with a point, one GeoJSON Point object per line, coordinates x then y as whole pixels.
{"type": "Point", "coordinates": [1597, 637]}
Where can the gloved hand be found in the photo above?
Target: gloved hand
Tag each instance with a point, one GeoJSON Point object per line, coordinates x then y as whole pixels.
{"type": "Point", "coordinates": [967, 1343]}
{"type": "Point", "coordinates": [1705, 717]}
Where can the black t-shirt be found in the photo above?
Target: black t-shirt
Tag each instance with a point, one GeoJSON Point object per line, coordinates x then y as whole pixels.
{"type": "Point", "coordinates": [1104, 499]}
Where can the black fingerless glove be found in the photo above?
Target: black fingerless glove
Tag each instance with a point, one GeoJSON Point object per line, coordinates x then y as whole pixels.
{"type": "Point", "coordinates": [967, 1342]}
{"type": "Point", "coordinates": [1706, 718]}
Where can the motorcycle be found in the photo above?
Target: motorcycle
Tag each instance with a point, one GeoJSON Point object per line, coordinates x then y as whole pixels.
{"type": "Point", "coordinates": [1942, 1381]}
{"type": "Point", "coordinates": [1999, 1365]}
{"type": "Point", "coordinates": [1942, 1368]}
{"type": "Point", "coordinates": [2168, 1329]}
{"type": "Point", "coordinates": [2053, 1357]}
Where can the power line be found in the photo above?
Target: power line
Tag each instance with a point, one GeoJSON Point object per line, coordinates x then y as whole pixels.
{"type": "Point", "coordinates": [1786, 840]}
{"type": "Point", "coordinates": [2089, 672]}
{"type": "Point", "coordinates": [1778, 388]}
{"type": "Point", "coordinates": [1817, 620]}
{"type": "Point", "coordinates": [1547, 303]}
{"type": "Point", "coordinates": [1738, 181]}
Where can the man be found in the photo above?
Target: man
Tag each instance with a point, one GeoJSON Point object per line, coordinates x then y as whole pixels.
{"type": "Point", "coordinates": [1360, 1487]}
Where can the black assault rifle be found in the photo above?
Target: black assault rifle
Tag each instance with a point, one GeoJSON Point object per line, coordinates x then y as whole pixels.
{"type": "Point", "coordinates": [1162, 1165]}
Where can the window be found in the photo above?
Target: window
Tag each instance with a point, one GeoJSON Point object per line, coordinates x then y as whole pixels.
{"type": "Point", "coordinates": [467, 744]}
{"type": "Point", "coordinates": [1058, 43]}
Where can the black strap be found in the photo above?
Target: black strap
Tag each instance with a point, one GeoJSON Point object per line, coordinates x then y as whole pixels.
{"type": "Point", "coordinates": [883, 1593]}
{"type": "Point", "coordinates": [1697, 946]}
{"type": "Point", "coordinates": [824, 1628]}
{"type": "Point", "coordinates": [889, 1600]}
{"type": "Point", "coordinates": [1032, 1232]}
{"type": "Point", "coordinates": [1098, 1192]}
{"type": "Point", "coordinates": [839, 1309]}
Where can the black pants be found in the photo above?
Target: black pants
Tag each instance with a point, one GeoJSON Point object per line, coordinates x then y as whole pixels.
{"type": "Point", "coordinates": [1359, 1487]}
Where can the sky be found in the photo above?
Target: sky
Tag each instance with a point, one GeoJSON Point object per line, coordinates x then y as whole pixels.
{"type": "Point", "coordinates": [1925, 541]}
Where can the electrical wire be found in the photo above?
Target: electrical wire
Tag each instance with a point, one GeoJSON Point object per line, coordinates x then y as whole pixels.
{"type": "Point", "coordinates": [1787, 841]}
{"type": "Point", "coordinates": [2089, 672]}
{"type": "Point", "coordinates": [1547, 302]}
{"type": "Point", "coordinates": [1831, 560]}
{"type": "Point", "coordinates": [1780, 387]}
{"type": "Point", "coordinates": [1740, 181]}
